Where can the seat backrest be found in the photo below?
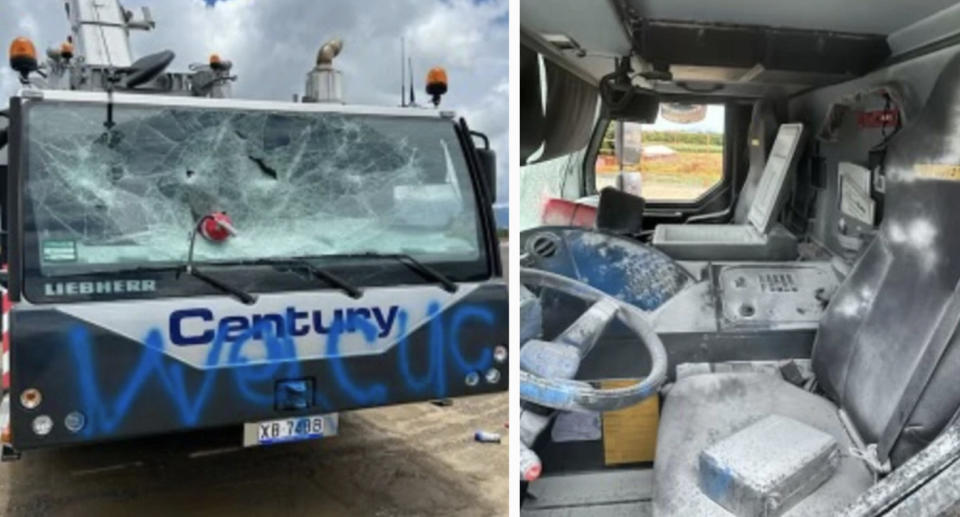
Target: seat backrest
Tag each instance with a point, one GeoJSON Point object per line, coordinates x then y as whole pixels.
{"type": "Point", "coordinates": [891, 309]}
{"type": "Point", "coordinates": [620, 212]}
{"type": "Point", "coordinates": [772, 190]}
{"type": "Point", "coordinates": [760, 135]}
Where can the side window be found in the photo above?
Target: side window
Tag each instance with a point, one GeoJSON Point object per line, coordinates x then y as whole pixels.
{"type": "Point", "coordinates": [678, 158]}
{"type": "Point", "coordinates": [539, 182]}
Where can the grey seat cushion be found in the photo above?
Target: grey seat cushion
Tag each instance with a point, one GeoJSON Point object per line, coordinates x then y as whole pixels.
{"type": "Point", "coordinates": [703, 409]}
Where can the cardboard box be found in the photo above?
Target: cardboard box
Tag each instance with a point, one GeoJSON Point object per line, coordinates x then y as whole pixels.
{"type": "Point", "coordinates": [630, 434]}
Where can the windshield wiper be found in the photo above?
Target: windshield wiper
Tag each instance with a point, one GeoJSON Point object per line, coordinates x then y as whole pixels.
{"type": "Point", "coordinates": [241, 295]}
{"type": "Point", "coordinates": [408, 260]}
{"type": "Point", "coordinates": [188, 268]}
{"type": "Point", "coordinates": [328, 277]}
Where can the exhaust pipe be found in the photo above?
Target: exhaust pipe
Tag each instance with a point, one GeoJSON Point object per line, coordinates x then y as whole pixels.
{"type": "Point", "coordinates": [324, 82]}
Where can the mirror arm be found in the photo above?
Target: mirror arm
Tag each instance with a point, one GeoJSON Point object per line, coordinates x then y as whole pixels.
{"type": "Point", "coordinates": [485, 138]}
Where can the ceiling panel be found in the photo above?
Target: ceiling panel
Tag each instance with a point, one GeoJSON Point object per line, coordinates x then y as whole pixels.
{"type": "Point", "coordinates": [864, 16]}
{"type": "Point", "coordinates": [594, 24]}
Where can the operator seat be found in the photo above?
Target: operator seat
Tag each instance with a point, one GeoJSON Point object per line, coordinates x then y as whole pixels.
{"type": "Point", "coordinates": [761, 134]}
{"type": "Point", "coordinates": [886, 352]}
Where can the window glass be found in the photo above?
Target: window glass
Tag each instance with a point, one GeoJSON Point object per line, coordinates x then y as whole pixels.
{"type": "Point", "coordinates": [293, 184]}
{"type": "Point", "coordinates": [678, 158]}
{"type": "Point", "coordinates": [540, 182]}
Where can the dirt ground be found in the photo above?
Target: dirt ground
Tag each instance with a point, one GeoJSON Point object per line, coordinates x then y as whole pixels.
{"type": "Point", "coordinates": [416, 459]}
{"type": "Point", "coordinates": [683, 176]}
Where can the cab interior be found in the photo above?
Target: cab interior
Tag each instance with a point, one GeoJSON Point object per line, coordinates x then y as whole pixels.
{"type": "Point", "coordinates": [774, 186]}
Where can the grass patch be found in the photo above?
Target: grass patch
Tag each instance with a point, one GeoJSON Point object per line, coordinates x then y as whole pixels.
{"type": "Point", "coordinates": [683, 176]}
{"type": "Point", "coordinates": [689, 148]}
{"type": "Point", "coordinates": [703, 169]}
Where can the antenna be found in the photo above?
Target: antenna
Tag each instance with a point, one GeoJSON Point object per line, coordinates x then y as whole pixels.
{"type": "Point", "coordinates": [413, 99]}
{"type": "Point", "coordinates": [403, 72]}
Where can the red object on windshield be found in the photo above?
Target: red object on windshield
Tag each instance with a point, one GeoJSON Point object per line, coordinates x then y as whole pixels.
{"type": "Point", "coordinates": [217, 227]}
{"type": "Point", "coordinates": [562, 212]}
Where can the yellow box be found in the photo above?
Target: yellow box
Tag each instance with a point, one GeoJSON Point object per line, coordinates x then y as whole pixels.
{"type": "Point", "coordinates": [630, 434]}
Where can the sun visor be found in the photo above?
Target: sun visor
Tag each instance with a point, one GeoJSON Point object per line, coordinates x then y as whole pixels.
{"type": "Point", "coordinates": [531, 104]}
{"type": "Point", "coordinates": [570, 112]}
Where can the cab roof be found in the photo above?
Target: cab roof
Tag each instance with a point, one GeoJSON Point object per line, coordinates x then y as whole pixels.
{"type": "Point", "coordinates": [585, 37]}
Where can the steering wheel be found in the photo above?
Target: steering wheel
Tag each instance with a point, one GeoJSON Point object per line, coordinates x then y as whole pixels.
{"type": "Point", "coordinates": [547, 368]}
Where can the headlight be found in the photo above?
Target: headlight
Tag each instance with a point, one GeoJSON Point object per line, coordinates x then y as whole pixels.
{"type": "Point", "coordinates": [74, 421]}
{"type": "Point", "coordinates": [472, 379]}
{"type": "Point", "coordinates": [42, 425]}
{"type": "Point", "coordinates": [30, 398]}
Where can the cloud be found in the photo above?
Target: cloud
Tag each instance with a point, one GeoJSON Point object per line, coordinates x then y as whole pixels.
{"type": "Point", "coordinates": [273, 44]}
{"type": "Point", "coordinates": [455, 33]}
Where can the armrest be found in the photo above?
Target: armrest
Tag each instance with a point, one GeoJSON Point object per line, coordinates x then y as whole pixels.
{"type": "Point", "coordinates": [707, 217]}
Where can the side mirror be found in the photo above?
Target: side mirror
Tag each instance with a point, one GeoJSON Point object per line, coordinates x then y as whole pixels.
{"type": "Point", "coordinates": [488, 165]}
{"type": "Point", "coordinates": [147, 69]}
{"type": "Point", "coordinates": [636, 105]}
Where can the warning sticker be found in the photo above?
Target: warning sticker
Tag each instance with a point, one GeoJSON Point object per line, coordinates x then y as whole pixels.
{"type": "Point", "coordinates": [937, 171]}
{"type": "Point", "coordinates": [59, 251]}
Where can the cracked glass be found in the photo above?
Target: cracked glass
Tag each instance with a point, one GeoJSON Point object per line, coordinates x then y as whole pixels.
{"type": "Point", "coordinates": [293, 184]}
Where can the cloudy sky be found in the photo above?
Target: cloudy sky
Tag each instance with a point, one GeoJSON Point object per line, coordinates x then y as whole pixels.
{"type": "Point", "coordinates": [273, 43]}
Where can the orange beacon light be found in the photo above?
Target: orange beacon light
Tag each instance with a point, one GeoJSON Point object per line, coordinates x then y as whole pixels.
{"type": "Point", "coordinates": [436, 84]}
{"type": "Point", "coordinates": [23, 56]}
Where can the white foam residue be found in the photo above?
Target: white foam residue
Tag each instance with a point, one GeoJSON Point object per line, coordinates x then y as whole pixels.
{"type": "Point", "coordinates": [849, 305]}
{"type": "Point", "coordinates": [921, 233]}
{"type": "Point", "coordinates": [896, 232]}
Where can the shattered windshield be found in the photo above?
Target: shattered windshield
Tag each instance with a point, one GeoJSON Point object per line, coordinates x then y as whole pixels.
{"type": "Point", "coordinates": [293, 184]}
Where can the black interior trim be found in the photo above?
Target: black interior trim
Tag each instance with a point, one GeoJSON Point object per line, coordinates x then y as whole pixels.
{"type": "Point", "coordinates": [734, 143]}
{"type": "Point", "coordinates": [668, 42]}
{"type": "Point", "coordinates": [13, 247]}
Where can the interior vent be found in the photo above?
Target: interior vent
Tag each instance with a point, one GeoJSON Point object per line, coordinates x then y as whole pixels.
{"type": "Point", "coordinates": [544, 245]}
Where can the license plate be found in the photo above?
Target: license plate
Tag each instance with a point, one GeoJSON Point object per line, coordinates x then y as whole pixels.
{"type": "Point", "coordinates": [289, 429]}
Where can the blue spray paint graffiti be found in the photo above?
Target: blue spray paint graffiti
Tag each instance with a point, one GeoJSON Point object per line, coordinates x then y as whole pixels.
{"type": "Point", "coordinates": [104, 416]}
{"type": "Point", "coordinates": [374, 394]}
{"type": "Point", "coordinates": [105, 413]}
{"type": "Point", "coordinates": [435, 371]}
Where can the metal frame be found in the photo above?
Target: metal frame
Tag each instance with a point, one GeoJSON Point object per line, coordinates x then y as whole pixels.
{"type": "Point", "coordinates": [482, 198]}
{"type": "Point", "coordinates": [589, 172]}
{"type": "Point", "coordinates": [27, 96]}
{"type": "Point", "coordinates": [14, 240]}
{"type": "Point", "coordinates": [168, 101]}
